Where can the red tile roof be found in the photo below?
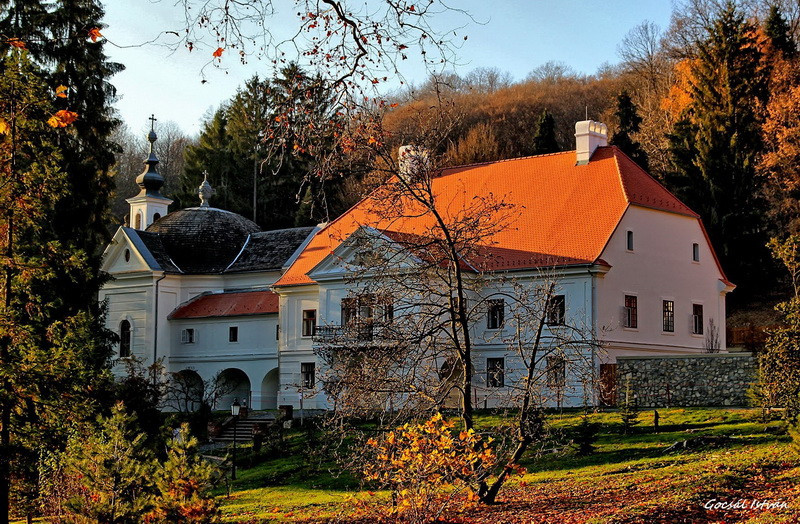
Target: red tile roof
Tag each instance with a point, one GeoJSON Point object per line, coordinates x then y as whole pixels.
{"type": "Point", "coordinates": [563, 213]}
{"type": "Point", "coordinates": [230, 304]}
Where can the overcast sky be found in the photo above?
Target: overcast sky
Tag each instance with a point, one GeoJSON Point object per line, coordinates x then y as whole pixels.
{"type": "Point", "coordinates": [513, 35]}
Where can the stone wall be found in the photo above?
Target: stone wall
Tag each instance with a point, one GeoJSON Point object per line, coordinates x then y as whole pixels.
{"type": "Point", "coordinates": [719, 379]}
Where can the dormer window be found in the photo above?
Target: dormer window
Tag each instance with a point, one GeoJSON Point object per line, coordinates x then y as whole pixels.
{"type": "Point", "coordinates": [696, 252]}
{"type": "Point", "coordinates": [629, 241]}
{"type": "Point", "coordinates": [127, 255]}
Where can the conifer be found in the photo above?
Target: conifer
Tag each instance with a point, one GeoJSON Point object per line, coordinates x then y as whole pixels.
{"type": "Point", "coordinates": [628, 124]}
{"type": "Point", "coordinates": [544, 141]}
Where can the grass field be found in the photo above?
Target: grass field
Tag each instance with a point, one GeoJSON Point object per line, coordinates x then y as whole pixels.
{"type": "Point", "coordinates": [630, 479]}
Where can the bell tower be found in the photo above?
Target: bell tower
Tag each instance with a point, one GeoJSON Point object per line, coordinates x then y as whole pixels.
{"type": "Point", "coordinates": [149, 205]}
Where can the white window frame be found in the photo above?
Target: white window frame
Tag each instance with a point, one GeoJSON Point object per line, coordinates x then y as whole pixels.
{"type": "Point", "coordinates": [188, 336]}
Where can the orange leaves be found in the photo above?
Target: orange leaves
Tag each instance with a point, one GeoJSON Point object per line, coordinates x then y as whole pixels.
{"type": "Point", "coordinates": [680, 94]}
{"type": "Point", "coordinates": [94, 34]}
{"type": "Point", "coordinates": [61, 91]}
{"type": "Point", "coordinates": [16, 42]}
{"type": "Point", "coordinates": [62, 118]}
{"type": "Point", "coordinates": [218, 52]}
{"type": "Point", "coordinates": [422, 461]}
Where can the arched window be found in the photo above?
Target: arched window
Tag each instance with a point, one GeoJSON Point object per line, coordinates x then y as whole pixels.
{"type": "Point", "coordinates": [138, 224]}
{"type": "Point", "coordinates": [124, 339]}
{"type": "Point", "coordinates": [156, 216]}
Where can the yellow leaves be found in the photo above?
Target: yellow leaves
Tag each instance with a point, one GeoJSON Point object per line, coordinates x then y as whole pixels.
{"type": "Point", "coordinates": [3, 127]}
{"type": "Point", "coordinates": [94, 34]}
{"type": "Point", "coordinates": [61, 91]}
{"type": "Point", "coordinates": [62, 118]}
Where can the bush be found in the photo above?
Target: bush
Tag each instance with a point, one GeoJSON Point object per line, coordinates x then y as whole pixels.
{"type": "Point", "coordinates": [425, 464]}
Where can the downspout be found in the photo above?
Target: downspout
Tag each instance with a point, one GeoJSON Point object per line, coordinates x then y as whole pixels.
{"type": "Point", "coordinates": [594, 337]}
{"type": "Point", "coordinates": [155, 331]}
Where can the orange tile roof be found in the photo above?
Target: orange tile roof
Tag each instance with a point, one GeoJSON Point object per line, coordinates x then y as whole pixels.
{"type": "Point", "coordinates": [563, 214]}
{"type": "Point", "coordinates": [230, 304]}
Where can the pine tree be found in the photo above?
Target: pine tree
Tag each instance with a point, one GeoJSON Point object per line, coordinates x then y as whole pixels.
{"type": "Point", "coordinates": [183, 485]}
{"type": "Point", "coordinates": [779, 33]}
{"type": "Point", "coordinates": [51, 363]}
{"type": "Point", "coordinates": [114, 470]}
{"type": "Point", "coordinates": [628, 124]}
{"type": "Point", "coordinates": [544, 141]}
{"type": "Point", "coordinates": [716, 144]}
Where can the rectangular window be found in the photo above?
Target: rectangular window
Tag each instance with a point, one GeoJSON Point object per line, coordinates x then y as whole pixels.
{"type": "Point", "coordinates": [629, 241]}
{"type": "Point", "coordinates": [278, 332]}
{"type": "Point", "coordinates": [309, 322]}
{"type": "Point", "coordinates": [631, 319]}
{"type": "Point", "coordinates": [495, 372]}
{"type": "Point", "coordinates": [308, 375]}
{"type": "Point", "coordinates": [668, 316]}
{"type": "Point", "coordinates": [696, 252]}
{"type": "Point", "coordinates": [187, 336]}
{"type": "Point", "coordinates": [556, 372]}
{"type": "Point", "coordinates": [556, 309]}
{"type": "Point", "coordinates": [697, 319]}
{"type": "Point", "coordinates": [233, 334]}
{"type": "Point", "coordinates": [496, 316]}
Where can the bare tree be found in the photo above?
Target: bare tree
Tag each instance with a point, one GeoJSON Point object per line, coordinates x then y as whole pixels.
{"type": "Point", "coordinates": [423, 273]}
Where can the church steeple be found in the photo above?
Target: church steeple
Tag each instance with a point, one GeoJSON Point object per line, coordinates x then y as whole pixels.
{"type": "Point", "coordinates": [150, 180]}
{"type": "Point", "coordinates": [149, 205]}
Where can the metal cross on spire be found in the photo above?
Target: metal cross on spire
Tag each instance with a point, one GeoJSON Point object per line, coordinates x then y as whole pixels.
{"type": "Point", "coordinates": [152, 122]}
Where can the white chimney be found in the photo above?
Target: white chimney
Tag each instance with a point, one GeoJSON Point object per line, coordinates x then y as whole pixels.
{"type": "Point", "coordinates": [413, 162]}
{"type": "Point", "coordinates": [589, 135]}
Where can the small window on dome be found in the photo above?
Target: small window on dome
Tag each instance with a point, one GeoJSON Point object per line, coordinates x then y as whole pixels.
{"type": "Point", "coordinates": [127, 255]}
{"type": "Point", "coordinates": [156, 216]}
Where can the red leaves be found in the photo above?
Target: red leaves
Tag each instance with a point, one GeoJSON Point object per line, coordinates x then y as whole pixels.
{"type": "Point", "coordinates": [94, 34]}
{"type": "Point", "coordinates": [218, 52]}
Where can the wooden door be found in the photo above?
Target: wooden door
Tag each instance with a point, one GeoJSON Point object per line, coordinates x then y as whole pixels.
{"type": "Point", "coordinates": [608, 384]}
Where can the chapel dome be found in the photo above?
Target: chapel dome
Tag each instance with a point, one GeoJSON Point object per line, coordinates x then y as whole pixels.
{"type": "Point", "coordinates": [203, 239]}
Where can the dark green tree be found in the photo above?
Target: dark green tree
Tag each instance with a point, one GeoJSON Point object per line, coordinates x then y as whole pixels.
{"type": "Point", "coordinates": [544, 141]}
{"type": "Point", "coordinates": [628, 124]}
{"type": "Point", "coordinates": [264, 141]}
{"type": "Point", "coordinates": [779, 33]}
{"type": "Point", "coordinates": [716, 144]}
{"type": "Point", "coordinates": [53, 358]}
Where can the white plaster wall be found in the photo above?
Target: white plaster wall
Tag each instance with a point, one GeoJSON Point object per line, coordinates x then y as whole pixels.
{"type": "Point", "coordinates": [660, 267]}
{"type": "Point", "coordinates": [295, 349]}
{"type": "Point", "coordinates": [255, 353]}
{"type": "Point", "coordinates": [575, 285]}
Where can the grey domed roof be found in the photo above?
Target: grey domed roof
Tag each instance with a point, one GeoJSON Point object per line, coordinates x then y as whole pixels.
{"type": "Point", "coordinates": [202, 239]}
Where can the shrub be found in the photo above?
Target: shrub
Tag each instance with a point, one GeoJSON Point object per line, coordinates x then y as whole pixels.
{"type": "Point", "coordinates": [426, 464]}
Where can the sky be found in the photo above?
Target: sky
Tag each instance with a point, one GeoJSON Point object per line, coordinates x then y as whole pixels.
{"type": "Point", "coordinates": [512, 35]}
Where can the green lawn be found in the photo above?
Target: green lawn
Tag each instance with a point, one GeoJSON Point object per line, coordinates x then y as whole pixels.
{"type": "Point", "coordinates": [628, 479]}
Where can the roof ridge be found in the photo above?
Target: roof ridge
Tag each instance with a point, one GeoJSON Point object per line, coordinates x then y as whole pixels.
{"type": "Point", "coordinates": [488, 162]}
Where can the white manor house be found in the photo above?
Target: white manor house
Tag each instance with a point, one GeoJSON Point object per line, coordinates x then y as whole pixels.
{"type": "Point", "coordinates": [209, 293]}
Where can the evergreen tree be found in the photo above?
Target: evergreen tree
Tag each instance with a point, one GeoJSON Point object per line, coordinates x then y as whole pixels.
{"type": "Point", "coordinates": [544, 141]}
{"type": "Point", "coordinates": [271, 131]}
{"type": "Point", "coordinates": [779, 33]}
{"type": "Point", "coordinates": [51, 363]}
{"type": "Point", "coordinates": [114, 471]}
{"type": "Point", "coordinates": [715, 146]}
{"type": "Point", "coordinates": [183, 485]}
{"type": "Point", "coordinates": [628, 124]}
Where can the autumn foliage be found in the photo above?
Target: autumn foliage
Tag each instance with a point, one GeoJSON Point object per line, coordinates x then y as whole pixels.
{"type": "Point", "coordinates": [426, 464]}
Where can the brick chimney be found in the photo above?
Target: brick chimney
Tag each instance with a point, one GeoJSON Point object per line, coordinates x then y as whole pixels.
{"type": "Point", "coordinates": [589, 135]}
